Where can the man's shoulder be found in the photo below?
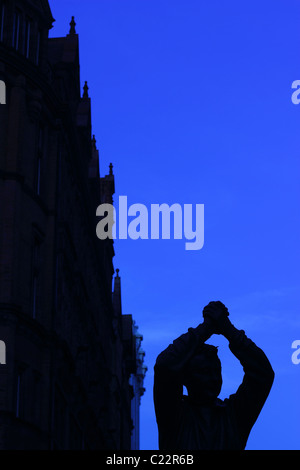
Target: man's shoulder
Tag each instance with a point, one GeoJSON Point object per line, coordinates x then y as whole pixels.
{"type": "Point", "coordinates": [221, 403]}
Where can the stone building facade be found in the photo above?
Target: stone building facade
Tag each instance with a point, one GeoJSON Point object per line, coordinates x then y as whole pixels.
{"type": "Point", "coordinates": [65, 381]}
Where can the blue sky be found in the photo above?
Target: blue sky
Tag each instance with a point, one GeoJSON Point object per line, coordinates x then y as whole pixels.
{"type": "Point", "coordinates": [191, 102]}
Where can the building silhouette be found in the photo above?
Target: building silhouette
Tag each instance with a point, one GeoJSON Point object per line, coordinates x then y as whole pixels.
{"type": "Point", "coordinates": [137, 382]}
{"type": "Point", "coordinates": [72, 358]}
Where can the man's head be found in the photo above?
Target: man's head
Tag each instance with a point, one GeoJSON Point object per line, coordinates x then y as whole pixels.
{"type": "Point", "coordinates": [202, 376]}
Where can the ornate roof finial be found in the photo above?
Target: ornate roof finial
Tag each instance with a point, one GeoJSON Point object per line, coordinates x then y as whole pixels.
{"type": "Point", "coordinates": [85, 90]}
{"type": "Point", "coordinates": [111, 169]}
{"type": "Point", "coordinates": [117, 271]}
{"type": "Point", "coordinates": [72, 26]}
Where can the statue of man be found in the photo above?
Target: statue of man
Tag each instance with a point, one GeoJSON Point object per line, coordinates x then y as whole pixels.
{"type": "Point", "coordinates": [201, 420]}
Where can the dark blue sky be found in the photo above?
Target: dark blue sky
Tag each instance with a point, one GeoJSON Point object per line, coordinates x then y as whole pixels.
{"type": "Point", "coordinates": [191, 102]}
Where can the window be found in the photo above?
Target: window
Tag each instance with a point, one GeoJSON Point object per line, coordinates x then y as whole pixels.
{"type": "Point", "coordinates": [34, 295]}
{"type": "Point", "coordinates": [35, 283]}
{"type": "Point", "coordinates": [27, 31]}
{"type": "Point", "coordinates": [36, 398]}
{"type": "Point", "coordinates": [16, 30]}
{"type": "Point", "coordinates": [60, 419]}
{"type": "Point", "coordinates": [56, 281]}
{"type": "Point", "coordinates": [40, 147]}
{"type": "Point", "coordinates": [38, 46]}
{"type": "Point", "coordinates": [2, 15]}
{"type": "Point", "coordinates": [19, 392]}
{"type": "Point", "coordinates": [38, 174]}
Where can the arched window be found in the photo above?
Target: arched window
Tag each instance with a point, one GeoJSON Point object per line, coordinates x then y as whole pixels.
{"type": "Point", "coordinates": [27, 37]}
{"type": "Point", "coordinates": [38, 48]}
{"type": "Point", "coordinates": [2, 17]}
{"type": "Point", "coordinates": [17, 25]}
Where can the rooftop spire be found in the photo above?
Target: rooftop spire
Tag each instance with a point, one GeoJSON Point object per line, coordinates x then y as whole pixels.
{"type": "Point", "coordinates": [72, 26]}
{"type": "Point", "coordinates": [111, 169]}
{"type": "Point", "coordinates": [117, 304]}
{"type": "Point", "coordinates": [85, 90]}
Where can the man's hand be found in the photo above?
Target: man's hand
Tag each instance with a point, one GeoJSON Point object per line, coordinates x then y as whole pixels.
{"type": "Point", "coordinates": [217, 314]}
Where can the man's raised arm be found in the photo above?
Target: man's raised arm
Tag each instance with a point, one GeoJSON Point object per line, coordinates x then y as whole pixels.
{"type": "Point", "coordinates": [174, 358]}
{"type": "Point", "coordinates": [251, 395]}
{"type": "Point", "coordinates": [168, 373]}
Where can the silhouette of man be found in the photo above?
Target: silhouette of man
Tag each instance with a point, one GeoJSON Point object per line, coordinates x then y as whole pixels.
{"type": "Point", "coordinates": [201, 420]}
